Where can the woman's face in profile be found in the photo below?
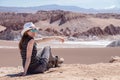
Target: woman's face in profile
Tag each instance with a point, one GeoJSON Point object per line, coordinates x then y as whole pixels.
{"type": "Point", "coordinates": [32, 32]}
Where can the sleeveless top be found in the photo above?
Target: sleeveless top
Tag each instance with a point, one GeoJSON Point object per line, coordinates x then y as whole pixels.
{"type": "Point", "coordinates": [34, 61]}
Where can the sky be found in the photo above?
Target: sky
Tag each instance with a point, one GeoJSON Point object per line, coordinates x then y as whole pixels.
{"type": "Point", "coordinates": [96, 4]}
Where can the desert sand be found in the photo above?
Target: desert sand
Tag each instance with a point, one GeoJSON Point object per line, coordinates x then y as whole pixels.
{"type": "Point", "coordinates": [80, 64]}
{"type": "Point", "coordinates": [101, 71]}
{"type": "Point", "coordinates": [11, 57]}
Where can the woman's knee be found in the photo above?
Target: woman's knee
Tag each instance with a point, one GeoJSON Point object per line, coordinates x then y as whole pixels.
{"type": "Point", "coordinates": [47, 48]}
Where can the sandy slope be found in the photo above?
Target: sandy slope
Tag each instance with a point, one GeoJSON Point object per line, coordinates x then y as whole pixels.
{"type": "Point", "coordinates": [80, 24]}
{"type": "Point", "coordinates": [101, 71]}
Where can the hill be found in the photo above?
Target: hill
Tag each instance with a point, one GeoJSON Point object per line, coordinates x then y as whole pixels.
{"type": "Point", "coordinates": [64, 23]}
{"type": "Point", "coordinates": [57, 7]}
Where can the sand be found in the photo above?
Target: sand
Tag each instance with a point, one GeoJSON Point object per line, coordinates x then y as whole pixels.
{"type": "Point", "coordinates": [80, 64]}
{"type": "Point", "coordinates": [101, 71]}
{"type": "Point", "coordinates": [12, 57]}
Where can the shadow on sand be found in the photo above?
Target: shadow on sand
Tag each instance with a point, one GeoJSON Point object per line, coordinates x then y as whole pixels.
{"type": "Point", "coordinates": [17, 75]}
{"type": "Point", "coordinates": [20, 74]}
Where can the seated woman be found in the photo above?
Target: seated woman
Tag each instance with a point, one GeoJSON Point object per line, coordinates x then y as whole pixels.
{"type": "Point", "coordinates": [36, 61]}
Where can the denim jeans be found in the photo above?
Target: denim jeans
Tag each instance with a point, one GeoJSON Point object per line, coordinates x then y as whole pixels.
{"type": "Point", "coordinates": [44, 55]}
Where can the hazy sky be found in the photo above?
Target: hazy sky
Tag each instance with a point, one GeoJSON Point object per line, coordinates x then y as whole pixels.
{"type": "Point", "coordinates": [97, 4]}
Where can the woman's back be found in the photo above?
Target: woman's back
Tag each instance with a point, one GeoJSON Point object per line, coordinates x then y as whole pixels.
{"type": "Point", "coordinates": [34, 59]}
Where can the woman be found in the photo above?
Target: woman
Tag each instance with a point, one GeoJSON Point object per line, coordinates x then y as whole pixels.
{"type": "Point", "coordinates": [33, 61]}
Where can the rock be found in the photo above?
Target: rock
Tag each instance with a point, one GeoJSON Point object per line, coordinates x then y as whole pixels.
{"type": "Point", "coordinates": [115, 59]}
{"type": "Point", "coordinates": [60, 17]}
{"type": "Point", "coordinates": [6, 34]}
{"type": "Point", "coordinates": [55, 18]}
{"type": "Point", "coordinates": [114, 44]}
{"type": "Point", "coordinates": [95, 31]}
{"type": "Point", "coordinates": [10, 34]}
{"type": "Point", "coordinates": [95, 79]}
{"type": "Point", "coordinates": [53, 32]}
{"type": "Point", "coordinates": [67, 32]}
{"type": "Point", "coordinates": [112, 30]}
{"type": "Point", "coordinates": [107, 15]}
{"type": "Point", "coordinates": [63, 20]}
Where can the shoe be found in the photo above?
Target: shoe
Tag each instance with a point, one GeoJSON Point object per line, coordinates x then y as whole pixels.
{"type": "Point", "coordinates": [56, 62]}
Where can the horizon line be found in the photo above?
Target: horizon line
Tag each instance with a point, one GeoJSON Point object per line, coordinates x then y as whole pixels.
{"type": "Point", "coordinates": [54, 5]}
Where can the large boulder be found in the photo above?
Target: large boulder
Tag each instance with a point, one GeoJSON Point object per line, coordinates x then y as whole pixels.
{"type": "Point", "coordinates": [115, 59]}
{"type": "Point", "coordinates": [114, 44]}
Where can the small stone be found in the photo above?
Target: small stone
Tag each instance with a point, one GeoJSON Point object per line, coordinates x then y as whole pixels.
{"type": "Point", "coordinates": [94, 79]}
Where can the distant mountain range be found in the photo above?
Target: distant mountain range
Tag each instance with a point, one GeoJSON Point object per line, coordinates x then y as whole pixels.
{"type": "Point", "coordinates": [57, 7]}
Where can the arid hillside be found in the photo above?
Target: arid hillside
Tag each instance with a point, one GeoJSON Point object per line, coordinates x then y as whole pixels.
{"type": "Point", "coordinates": [58, 22]}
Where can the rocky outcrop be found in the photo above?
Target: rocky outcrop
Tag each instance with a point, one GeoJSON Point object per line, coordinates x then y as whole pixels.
{"type": "Point", "coordinates": [63, 20]}
{"type": "Point", "coordinates": [68, 23]}
{"type": "Point", "coordinates": [114, 44]}
{"type": "Point", "coordinates": [55, 18]}
{"type": "Point", "coordinates": [6, 34]}
{"type": "Point", "coordinates": [15, 21]}
{"type": "Point", "coordinates": [66, 32]}
{"type": "Point", "coordinates": [60, 17]}
{"type": "Point", "coordinates": [52, 32]}
{"type": "Point", "coordinates": [97, 31]}
{"type": "Point", "coordinates": [115, 59]}
{"type": "Point", "coordinates": [112, 30]}
{"type": "Point", "coordinates": [107, 15]}
{"type": "Point", "coordinates": [9, 34]}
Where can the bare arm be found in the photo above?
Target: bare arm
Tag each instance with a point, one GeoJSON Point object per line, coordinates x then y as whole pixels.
{"type": "Point", "coordinates": [46, 39]}
{"type": "Point", "coordinates": [28, 55]}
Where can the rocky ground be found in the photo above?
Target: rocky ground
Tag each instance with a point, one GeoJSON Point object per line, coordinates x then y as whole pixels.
{"type": "Point", "coordinates": [61, 23]}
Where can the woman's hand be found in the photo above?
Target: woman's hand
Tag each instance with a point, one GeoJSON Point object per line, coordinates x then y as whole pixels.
{"type": "Point", "coordinates": [22, 74]}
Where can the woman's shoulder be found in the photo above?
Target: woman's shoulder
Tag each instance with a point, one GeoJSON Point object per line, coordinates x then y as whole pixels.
{"type": "Point", "coordinates": [27, 40]}
{"type": "Point", "coordinates": [29, 37]}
